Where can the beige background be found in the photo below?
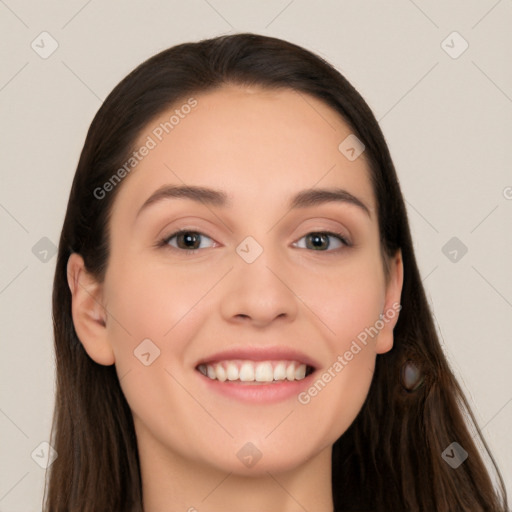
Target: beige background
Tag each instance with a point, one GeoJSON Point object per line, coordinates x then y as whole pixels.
{"type": "Point", "coordinates": [448, 122]}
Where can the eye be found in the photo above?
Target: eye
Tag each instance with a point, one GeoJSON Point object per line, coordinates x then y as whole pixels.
{"type": "Point", "coordinates": [321, 241]}
{"type": "Point", "coordinates": [186, 240]}
{"type": "Point", "coordinates": [191, 241]}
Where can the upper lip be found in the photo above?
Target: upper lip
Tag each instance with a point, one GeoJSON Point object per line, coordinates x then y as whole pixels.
{"type": "Point", "coordinates": [275, 353]}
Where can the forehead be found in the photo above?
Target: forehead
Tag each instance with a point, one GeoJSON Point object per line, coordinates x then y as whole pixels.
{"type": "Point", "coordinates": [258, 145]}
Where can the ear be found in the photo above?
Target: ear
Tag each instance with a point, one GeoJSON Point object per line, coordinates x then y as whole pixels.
{"type": "Point", "coordinates": [89, 315]}
{"type": "Point", "coordinates": [391, 308]}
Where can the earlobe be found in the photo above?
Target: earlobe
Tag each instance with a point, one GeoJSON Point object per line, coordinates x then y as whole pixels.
{"type": "Point", "coordinates": [89, 315]}
{"type": "Point", "coordinates": [391, 308]}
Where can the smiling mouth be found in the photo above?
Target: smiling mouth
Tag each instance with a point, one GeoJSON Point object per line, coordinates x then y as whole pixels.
{"type": "Point", "coordinates": [255, 372]}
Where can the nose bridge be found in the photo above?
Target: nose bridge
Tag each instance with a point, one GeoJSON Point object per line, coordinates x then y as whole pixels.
{"type": "Point", "coordinates": [257, 289]}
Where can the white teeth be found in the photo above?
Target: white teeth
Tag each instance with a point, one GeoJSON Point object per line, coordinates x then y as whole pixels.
{"type": "Point", "coordinates": [247, 372]}
{"type": "Point", "coordinates": [211, 372]}
{"type": "Point", "coordinates": [254, 371]}
{"type": "Point", "coordinates": [300, 372]}
{"type": "Point", "coordinates": [221, 373]}
{"type": "Point", "coordinates": [280, 371]}
{"type": "Point", "coordinates": [232, 371]}
{"type": "Point", "coordinates": [264, 372]}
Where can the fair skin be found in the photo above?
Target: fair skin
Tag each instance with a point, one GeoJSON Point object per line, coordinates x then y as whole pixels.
{"type": "Point", "coordinates": [261, 148]}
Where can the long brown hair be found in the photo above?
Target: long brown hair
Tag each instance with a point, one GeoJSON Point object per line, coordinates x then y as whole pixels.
{"type": "Point", "coordinates": [390, 459]}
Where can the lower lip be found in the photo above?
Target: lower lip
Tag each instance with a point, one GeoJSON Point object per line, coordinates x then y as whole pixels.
{"type": "Point", "coordinates": [258, 393]}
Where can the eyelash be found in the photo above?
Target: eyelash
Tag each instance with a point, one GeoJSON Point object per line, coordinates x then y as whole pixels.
{"type": "Point", "coordinates": [164, 242]}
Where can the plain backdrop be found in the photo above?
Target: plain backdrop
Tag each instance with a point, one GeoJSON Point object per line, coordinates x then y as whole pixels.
{"type": "Point", "coordinates": [436, 74]}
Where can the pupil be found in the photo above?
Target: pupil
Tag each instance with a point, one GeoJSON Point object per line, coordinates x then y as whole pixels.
{"type": "Point", "coordinates": [319, 239]}
{"type": "Point", "coordinates": [190, 239]}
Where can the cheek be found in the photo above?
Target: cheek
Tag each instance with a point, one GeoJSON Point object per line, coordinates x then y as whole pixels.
{"type": "Point", "coordinates": [338, 394]}
{"type": "Point", "coordinates": [348, 305]}
{"type": "Point", "coordinates": [347, 299]}
{"type": "Point", "coordinates": [153, 320]}
{"type": "Point", "coordinates": [151, 299]}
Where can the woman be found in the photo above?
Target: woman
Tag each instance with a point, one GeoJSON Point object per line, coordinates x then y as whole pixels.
{"type": "Point", "coordinates": [240, 323]}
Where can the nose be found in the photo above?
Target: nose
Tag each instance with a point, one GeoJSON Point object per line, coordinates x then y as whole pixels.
{"type": "Point", "coordinates": [260, 292]}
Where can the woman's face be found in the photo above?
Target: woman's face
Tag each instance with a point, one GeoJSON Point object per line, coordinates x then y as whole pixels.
{"type": "Point", "coordinates": [267, 294]}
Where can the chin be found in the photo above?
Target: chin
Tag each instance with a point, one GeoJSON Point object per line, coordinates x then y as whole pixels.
{"type": "Point", "coordinates": [263, 457]}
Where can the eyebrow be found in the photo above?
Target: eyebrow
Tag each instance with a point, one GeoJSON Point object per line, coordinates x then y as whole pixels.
{"type": "Point", "coordinates": [218, 198]}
